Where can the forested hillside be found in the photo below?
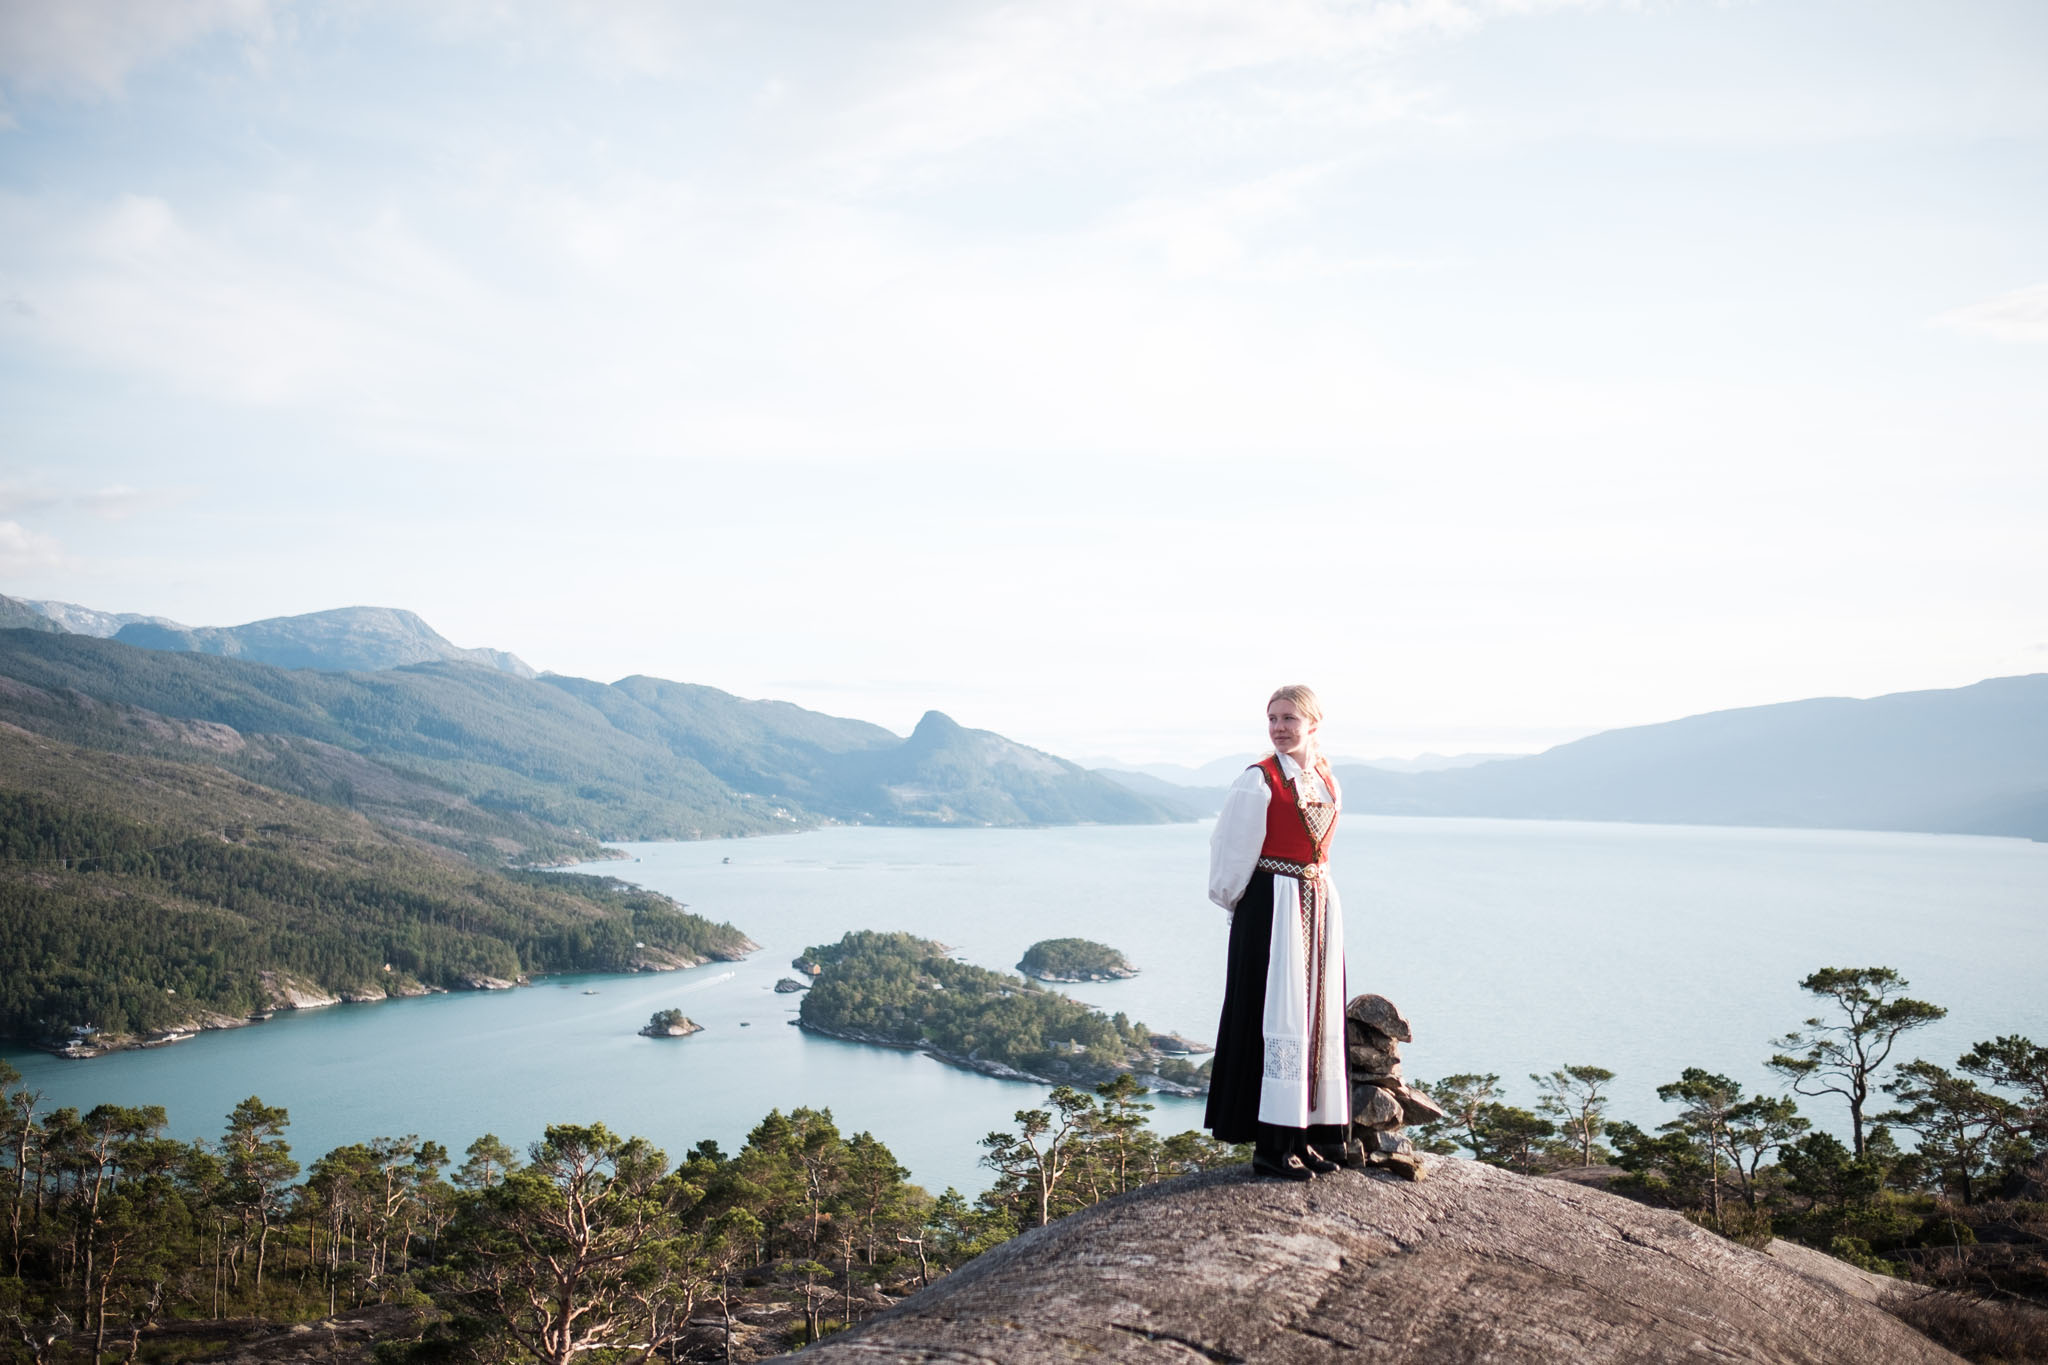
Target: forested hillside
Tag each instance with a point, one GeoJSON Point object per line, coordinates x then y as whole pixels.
{"type": "Point", "coordinates": [905, 991]}
{"type": "Point", "coordinates": [641, 758]}
{"type": "Point", "coordinates": [138, 894]}
{"type": "Point", "coordinates": [186, 838]}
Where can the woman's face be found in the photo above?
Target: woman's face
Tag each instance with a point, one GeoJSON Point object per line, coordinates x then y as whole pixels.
{"type": "Point", "coordinates": [1289, 730]}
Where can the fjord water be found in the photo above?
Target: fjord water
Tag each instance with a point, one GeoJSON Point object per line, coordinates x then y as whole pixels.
{"type": "Point", "coordinates": [1515, 946]}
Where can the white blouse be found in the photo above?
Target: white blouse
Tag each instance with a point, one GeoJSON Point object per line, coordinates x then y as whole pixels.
{"type": "Point", "coordinates": [1241, 828]}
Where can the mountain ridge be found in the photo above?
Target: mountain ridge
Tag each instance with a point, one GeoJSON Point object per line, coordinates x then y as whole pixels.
{"type": "Point", "coordinates": [1964, 760]}
{"type": "Point", "coordinates": [342, 639]}
{"type": "Point", "coordinates": [1967, 760]}
{"type": "Point", "coordinates": [643, 758]}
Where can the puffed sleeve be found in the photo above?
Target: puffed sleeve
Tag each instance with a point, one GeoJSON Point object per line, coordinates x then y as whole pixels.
{"type": "Point", "coordinates": [1239, 835]}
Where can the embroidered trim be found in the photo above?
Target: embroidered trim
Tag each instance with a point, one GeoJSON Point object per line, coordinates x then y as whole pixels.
{"type": "Point", "coordinates": [1318, 818]}
{"type": "Point", "coordinates": [1316, 958]}
{"type": "Point", "coordinates": [1283, 1059]}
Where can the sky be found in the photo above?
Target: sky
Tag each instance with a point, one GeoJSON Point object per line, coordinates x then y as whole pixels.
{"type": "Point", "coordinates": [1507, 369]}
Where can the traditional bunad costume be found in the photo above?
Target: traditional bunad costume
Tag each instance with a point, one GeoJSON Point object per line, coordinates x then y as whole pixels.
{"type": "Point", "coordinates": [1280, 1046]}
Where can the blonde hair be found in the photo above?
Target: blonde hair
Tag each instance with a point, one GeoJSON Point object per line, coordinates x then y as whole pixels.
{"type": "Point", "coordinates": [1304, 699]}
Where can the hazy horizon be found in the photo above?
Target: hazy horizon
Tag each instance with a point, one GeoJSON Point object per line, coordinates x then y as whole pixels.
{"type": "Point", "coordinates": [1510, 370]}
{"type": "Point", "coordinates": [1417, 759]}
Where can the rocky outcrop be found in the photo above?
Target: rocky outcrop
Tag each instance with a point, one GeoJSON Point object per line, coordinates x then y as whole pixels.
{"type": "Point", "coordinates": [789, 986]}
{"type": "Point", "coordinates": [647, 958]}
{"type": "Point", "coordinates": [1082, 978]}
{"type": "Point", "coordinates": [1382, 1104]}
{"type": "Point", "coordinates": [487, 983]}
{"type": "Point", "coordinates": [282, 991]}
{"type": "Point", "coordinates": [1472, 1265]}
{"type": "Point", "coordinates": [1854, 1281]}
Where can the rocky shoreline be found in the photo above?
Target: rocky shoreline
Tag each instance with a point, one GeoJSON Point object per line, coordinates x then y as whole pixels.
{"type": "Point", "coordinates": [670, 1024]}
{"type": "Point", "coordinates": [285, 992]}
{"type": "Point", "coordinates": [1081, 978]}
{"type": "Point", "coordinates": [1002, 1071]}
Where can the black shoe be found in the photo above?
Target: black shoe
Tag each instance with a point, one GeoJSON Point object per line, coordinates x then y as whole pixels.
{"type": "Point", "coordinates": [1317, 1162]}
{"type": "Point", "coordinates": [1281, 1168]}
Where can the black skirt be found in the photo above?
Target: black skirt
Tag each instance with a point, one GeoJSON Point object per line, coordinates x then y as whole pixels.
{"type": "Point", "coordinates": [1239, 1071]}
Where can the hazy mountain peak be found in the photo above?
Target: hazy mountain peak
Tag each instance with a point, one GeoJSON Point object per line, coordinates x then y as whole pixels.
{"type": "Point", "coordinates": [16, 614]}
{"type": "Point", "coordinates": [357, 639]}
{"type": "Point", "coordinates": [936, 727]}
{"type": "Point", "coordinates": [87, 621]}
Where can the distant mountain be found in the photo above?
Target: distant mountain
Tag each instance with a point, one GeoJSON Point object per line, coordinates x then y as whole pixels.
{"type": "Point", "coordinates": [16, 614]}
{"type": "Point", "coordinates": [1216, 773]}
{"type": "Point", "coordinates": [87, 621]}
{"type": "Point", "coordinates": [527, 766]}
{"type": "Point", "coordinates": [1967, 760]}
{"type": "Point", "coordinates": [945, 774]}
{"type": "Point", "coordinates": [1422, 763]}
{"type": "Point", "coordinates": [346, 639]}
{"type": "Point", "coordinates": [1198, 801]}
{"type": "Point", "coordinates": [1221, 772]}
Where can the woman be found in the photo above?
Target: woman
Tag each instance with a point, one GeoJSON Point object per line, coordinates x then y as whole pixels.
{"type": "Point", "coordinates": [1278, 1080]}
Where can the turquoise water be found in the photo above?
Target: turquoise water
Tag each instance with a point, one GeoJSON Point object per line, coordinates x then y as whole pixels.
{"type": "Point", "coordinates": [1515, 946]}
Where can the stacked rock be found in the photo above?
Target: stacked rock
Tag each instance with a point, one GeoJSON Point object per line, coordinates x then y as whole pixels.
{"type": "Point", "coordinates": [1381, 1102]}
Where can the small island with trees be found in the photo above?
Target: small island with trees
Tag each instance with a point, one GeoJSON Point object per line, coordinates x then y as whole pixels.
{"type": "Point", "coordinates": [1075, 959]}
{"type": "Point", "coordinates": [896, 990]}
{"type": "Point", "coordinates": [670, 1024]}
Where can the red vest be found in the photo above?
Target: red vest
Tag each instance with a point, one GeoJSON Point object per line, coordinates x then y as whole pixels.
{"type": "Point", "coordinates": [1287, 833]}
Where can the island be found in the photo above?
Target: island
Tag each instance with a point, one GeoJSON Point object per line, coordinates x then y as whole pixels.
{"type": "Point", "coordinates": [670, 1024]}
{"type": "Point", "coordinates": [897, 990]}
{"type": "Point", "coordinates": [1075, 959]}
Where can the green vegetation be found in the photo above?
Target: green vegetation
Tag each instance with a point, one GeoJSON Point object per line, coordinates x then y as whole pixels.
{"type": "Point", "coordinates": [670, 1024]}
{"type": "Point", "coordinates": [903, 990]}
{"type": "Point", "coordinates": [1961, 1210]}
{"type": "Point", "coordinates": [137, 895]}
{"type": "Point", "coordinates": [535, 769]}
{"type": "Point", "coordinates": [446, 744]}
{"type": "Point", "coordinates": [595, 1243]}
{"type": "Point", "coordinates": [592, 1243]}
{"type": "Point", "coordinates": [1074, 959]}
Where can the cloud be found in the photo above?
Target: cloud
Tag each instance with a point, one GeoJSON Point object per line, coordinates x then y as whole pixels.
{"type": "Point", "coordinates": [116, 503]}
{"type": "Point", "coordinates": [2021, 315]}
{"type": "Point", "coordinates": [618, 37]}
{"type": "Point", "coordinates": [1007, 69]}
{"type": "Point", "coordinates": [22, 549]}
{"type": "Point", "coordinates": [324, 309]}
{"type": "Point", "coordinates": [17, 497]}
{"type": "Point", "coordinates": [90, 47]}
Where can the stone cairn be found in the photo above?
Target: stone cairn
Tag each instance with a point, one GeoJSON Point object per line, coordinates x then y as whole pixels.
{"type": "Point", "coordinates": [1381, 1102]}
